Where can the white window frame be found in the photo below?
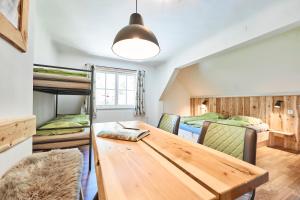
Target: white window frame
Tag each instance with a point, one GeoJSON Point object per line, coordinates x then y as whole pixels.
{"type": "Point", "coordinates": [116, 72]}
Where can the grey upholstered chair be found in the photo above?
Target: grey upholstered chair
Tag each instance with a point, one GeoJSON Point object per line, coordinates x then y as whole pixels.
{"type": "Point", "coordinates": [239, 142]}
{"type": "Point", "coordinates": [169, 123]}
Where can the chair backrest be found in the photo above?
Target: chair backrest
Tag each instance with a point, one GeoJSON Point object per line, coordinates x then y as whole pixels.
{"type": "Point", "coordinates": [169, 123]}
{"type": "Point", "coordinates": [239, 142]}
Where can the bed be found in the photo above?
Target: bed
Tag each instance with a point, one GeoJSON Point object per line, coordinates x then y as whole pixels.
{"type": "Point", "coordinates": [190, 127]}
{"type": "Point", "coordinates": [55, 80]}
{"type": "Point", "coordinates": [59, 80]}
{"type": "Point", "coordinates": [64, 131]}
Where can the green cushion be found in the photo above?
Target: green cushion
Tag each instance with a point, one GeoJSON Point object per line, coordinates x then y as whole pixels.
{"type": "Point", "coordinates": [59, 131]}
{"type": "Point", "coordinates": [59, 124]}
{"type": "Point", "coordinates": [59, 72]}
{"type": "Point", "coordinates": [227, 139]}
{"type": "Point", "coordinates": [63, 121]}
{"type": "Point", "coordinates": [81, 119]}
{"type": "Point", "coordinates": [168, 123]}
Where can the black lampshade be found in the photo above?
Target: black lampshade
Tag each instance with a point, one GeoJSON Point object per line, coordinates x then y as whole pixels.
{"type": "Point", "coordinates": [278, 104]}
{"type": "Point", "coordinates": [135, 41]}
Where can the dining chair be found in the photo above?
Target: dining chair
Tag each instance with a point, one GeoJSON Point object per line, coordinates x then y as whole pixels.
{"type": "Point", "coordinates": [239, 142]}
{"type": "Point", "coordinates": [169, 123]}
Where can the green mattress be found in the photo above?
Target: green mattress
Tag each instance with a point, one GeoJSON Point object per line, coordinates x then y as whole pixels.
{"type": "Point", "coordinates": [64, 121]}
{"type": "Point", "coordinates": [59, 72]}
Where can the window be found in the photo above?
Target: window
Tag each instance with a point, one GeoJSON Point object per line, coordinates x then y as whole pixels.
{"type": "Point", "coordinates": [115, 89]}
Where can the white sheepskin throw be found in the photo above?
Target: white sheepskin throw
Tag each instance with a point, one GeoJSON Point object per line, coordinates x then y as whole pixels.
{"type": "Point", "coordinates": [53, 175]}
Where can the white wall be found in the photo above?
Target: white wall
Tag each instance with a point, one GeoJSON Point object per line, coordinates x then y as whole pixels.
{"type": "Point", "coordinates": [177, 99]}
{"type": "Point", "coordinates": [272, 20]}
{"type": "Point", "coordinates": [16, 93]}
{"type": "Point", "coordinates": [266, 67]}
{"type": "Point", "coordinates": [44, 53]}
{"type": "Point", "coordinates": [79, 59]}
{"type": "Point", "coordinates": [44, 104]}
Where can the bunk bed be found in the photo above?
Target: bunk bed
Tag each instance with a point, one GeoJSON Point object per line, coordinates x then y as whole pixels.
{"type": "Point", "coordinates": [64, 131]}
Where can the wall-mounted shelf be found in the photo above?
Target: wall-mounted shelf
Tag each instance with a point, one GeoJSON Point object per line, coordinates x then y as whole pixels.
{"type": "Point", "coordinates": [280, 139]}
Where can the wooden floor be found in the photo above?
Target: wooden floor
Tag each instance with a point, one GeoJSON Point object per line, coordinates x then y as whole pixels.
{"type": "Point", "coordinates": [284, 169]}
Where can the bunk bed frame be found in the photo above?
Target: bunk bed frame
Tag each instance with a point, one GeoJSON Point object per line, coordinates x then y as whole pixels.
{"type": "Point", "coordinates": [72, 91]}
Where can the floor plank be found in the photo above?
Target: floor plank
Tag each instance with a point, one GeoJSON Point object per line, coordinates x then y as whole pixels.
{"type": "Point", "coordinates": [284, 169]}
{"type": "Point", "coordinates": [88, 180]}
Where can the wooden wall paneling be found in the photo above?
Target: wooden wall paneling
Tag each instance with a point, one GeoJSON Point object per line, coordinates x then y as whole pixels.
{"type": "Point", "coordinates": [196, 106]}
{"type": "Point", "coordinates": [276, 120]}
{"type": "Point", "coordinates": [218, 105]}
{"type": "Point", "coordinates": [234, 105]}
{"type": "Point", "coordinates": [200, 111]}
{"type": "Point", "coordinates": [283, 113]}
{"type": "Point", "coordinates": [298, 116]}
{"type": "Point", "coordinates": [240, 106]}
{"type": "Point", "coordinates": [192, 106]}
{"type": "Point", "coordinates": [290, 120]}
{"type": "Point", "coordinates": [224, 106]}
{"type": "Point", "coordinates": [222, 102]}
{"type": "Point", "coordinates": [254, 107]}
{"type": "Point", "coordinates": [212, 104]}
{"type": "Point", "coordinates": [199, 106]}
{"type": "Point", "coordinates": [247, 106]}
{"type": "Point", "coordinates": [261, 107]}
{"type": "Point", "coordinates": [231, 107]}
{"type": "Point", "coordinates": [269, 108]}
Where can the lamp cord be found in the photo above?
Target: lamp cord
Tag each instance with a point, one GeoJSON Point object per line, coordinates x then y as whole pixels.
{"type": "Point", "coordinates": [135, 6]}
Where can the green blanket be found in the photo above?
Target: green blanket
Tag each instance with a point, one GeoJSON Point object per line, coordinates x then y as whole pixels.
{"type": "Point", "coordinates": [211, 116]}
{"type": "Point", "coordinates": [234, 122]}
{"type": "Point", "coordinates": [64, 121]}
{"type": "Point", "coordinates": [242, 121]}
{"type": "Point", "coordinates": [59, 72]}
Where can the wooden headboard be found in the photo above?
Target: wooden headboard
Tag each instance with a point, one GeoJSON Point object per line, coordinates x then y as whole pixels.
{"type": "Point", "coordinates": [285, 118]}
{"type": "Point", "coordinates": [16, 130]}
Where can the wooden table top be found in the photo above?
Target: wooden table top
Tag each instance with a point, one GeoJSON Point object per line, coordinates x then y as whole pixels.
{"type": "Point", "coordinates": [165, 166]}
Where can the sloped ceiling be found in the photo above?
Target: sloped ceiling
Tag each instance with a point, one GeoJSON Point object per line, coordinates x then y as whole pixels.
{"type": "Point", "coordinates": [90, 25]}
{"type": "Point", "coordinates": [266, 67]}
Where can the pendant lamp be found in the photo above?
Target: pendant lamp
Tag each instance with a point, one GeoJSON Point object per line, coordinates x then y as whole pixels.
{"type": "Point", "coordinates": [135, 41]}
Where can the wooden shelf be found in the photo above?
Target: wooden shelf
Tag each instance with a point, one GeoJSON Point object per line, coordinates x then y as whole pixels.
{"type": "Point", "coordinates": [281, 139]}
{"type": "Point", "coordinates": [16, 130]}
{"type": "Point", "coordinates": [281, 133]}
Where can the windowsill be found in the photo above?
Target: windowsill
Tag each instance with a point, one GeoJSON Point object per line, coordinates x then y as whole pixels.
{"type": "Point", "coordinates": [115, 108]}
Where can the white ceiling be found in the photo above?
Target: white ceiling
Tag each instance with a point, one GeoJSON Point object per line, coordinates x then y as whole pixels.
{"type": "Point", "coordinates": [91, 25]}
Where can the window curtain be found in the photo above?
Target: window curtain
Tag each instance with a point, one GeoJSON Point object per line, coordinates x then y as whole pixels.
{"type": "Point", "coordinates": [86, 105]}
{"type": "Point", "coordinates": [140, 94]}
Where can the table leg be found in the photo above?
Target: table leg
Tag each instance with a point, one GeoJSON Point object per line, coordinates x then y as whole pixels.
{"type": "Point", "coordinates": [96, 196]}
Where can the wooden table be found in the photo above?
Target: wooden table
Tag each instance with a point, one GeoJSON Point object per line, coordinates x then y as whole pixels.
{"type": "Point", "coordinates": [165, 166]}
